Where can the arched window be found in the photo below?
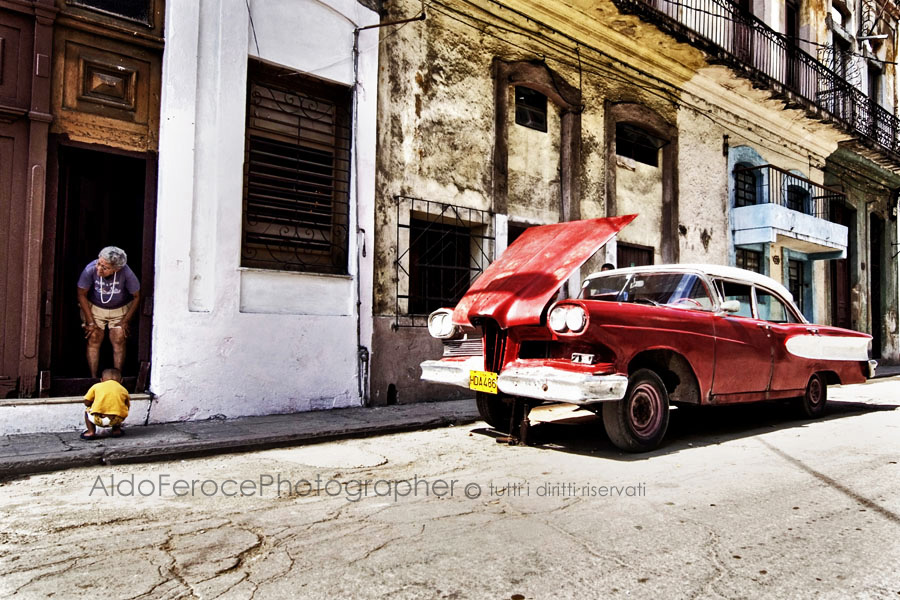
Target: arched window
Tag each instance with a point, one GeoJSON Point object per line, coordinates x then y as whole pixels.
{"type": "Point", "coordinates": [797, 198]}
{"type": "Point", "coordinates": [745, 186]}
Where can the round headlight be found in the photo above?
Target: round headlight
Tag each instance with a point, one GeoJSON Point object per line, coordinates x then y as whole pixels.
{"type": "Point", "coordinates": [440, 324]}
{"type": "Point", "coordinates": [575, 319]}
{"type": "Point", "coordinates": [557, 318]}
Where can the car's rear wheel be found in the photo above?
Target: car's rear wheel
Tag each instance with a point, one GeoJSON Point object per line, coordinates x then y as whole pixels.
{"type": "Point", "coordinates": [812, 403]}
{"type": "Point", "coordinates": [495, 409]}
{"type": "Point", "coordinates": [638, 422]}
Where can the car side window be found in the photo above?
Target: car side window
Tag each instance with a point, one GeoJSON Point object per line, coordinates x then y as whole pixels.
{"type": "Point", "coordinates": [741, 292]}
{"type": "Point", "coordinates": [771, 308]}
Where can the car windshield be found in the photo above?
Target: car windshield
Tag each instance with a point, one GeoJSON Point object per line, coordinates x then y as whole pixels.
{"type": "Point", "coordinates": [674, 289]}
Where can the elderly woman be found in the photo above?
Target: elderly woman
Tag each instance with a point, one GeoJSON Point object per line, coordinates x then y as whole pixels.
{"type": "Point", "coordinates": [109, 295]}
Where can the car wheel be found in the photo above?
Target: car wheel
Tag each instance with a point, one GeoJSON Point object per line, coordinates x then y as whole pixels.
{"type": "Point", "coordinates": [812, 404]}
{"type": "Point", "coordinates": [638, 422]}
{"type": "Point", "coordinates": [495, 409]}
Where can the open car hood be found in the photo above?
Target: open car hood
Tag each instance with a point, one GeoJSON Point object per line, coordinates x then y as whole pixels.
{"type": "Point", "coordinates": [516, 287]}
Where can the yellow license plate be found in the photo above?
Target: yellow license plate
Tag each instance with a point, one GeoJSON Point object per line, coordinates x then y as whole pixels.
{"type": "Point", "coordinates": [483, 381]}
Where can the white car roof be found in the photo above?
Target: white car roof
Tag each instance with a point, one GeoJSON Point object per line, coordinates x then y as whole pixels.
{"type": "Point", "coordinates": [721, 271]}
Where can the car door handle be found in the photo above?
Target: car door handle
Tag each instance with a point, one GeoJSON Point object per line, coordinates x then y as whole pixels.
{"type": "Point", "coordinates": [813, 330]}
{"type": "Point", "coordinates": [763, 325]}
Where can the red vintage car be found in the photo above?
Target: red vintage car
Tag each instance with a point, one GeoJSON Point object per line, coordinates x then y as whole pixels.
{"type": "Point", "coordinates": [635, 340]}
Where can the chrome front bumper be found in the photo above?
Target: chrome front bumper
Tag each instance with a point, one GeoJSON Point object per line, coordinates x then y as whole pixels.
{"type": "Point", "coordinates": [451, 372]}
{"type": "Point", "coordinates": [541, 383]}
{"type": "Point", "coordinates": [556, 385]}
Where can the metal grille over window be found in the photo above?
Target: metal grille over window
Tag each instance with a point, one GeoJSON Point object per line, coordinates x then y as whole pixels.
{"type": "Point", "coordinates": [744, 187]}
{"type": "Point", "coordinates": [441, 250]}
{"type": "Point", "coordinates": [297, 173]}
{"type": "Point", "coordinates": [777, 186]}
{"type": "Point", "coordinates": [749, 259]}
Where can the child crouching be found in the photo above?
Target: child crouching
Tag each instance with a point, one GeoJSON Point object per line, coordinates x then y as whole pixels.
{"type": "Point", "coordinates": [106, 405]}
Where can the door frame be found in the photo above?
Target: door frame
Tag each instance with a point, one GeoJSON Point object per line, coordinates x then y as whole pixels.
{"type": "Point", "coordinates": [58, 144]}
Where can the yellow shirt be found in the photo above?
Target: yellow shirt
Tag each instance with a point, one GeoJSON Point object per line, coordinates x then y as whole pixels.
{"type": "Point", "coordinates": [109, 398]}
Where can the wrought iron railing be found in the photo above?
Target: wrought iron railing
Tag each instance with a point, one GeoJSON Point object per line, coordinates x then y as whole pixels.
{"type": "Point", "coordinates": [769, 184]}
{"type": "Point", "coordinates": [441, 249]}
{"type": "Point", "coordinates": [721, 28]}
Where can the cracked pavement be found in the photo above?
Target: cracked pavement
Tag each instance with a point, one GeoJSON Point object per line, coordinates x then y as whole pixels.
{"type": "Point", "coordinates": [740, 502]}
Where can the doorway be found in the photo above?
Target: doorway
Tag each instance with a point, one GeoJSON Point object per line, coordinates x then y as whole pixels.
{"type": "Point", "coordinates": [632, 255]}
{"type": "Point", "coordinates": [876, 277]}
{"type": "Point", "coordinates": [103, 199]}
{"type": "Point", "coordinates": [840, 268]}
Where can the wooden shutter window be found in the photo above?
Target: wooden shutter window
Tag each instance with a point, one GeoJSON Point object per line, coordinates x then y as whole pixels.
{"type": "Point", "coordinates": [297, 173]}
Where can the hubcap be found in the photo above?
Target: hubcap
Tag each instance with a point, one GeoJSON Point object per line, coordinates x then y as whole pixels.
{"type": "Point", "coordinates": [645, 409]}
{"type": "Point", "coordinates": [814, 394]}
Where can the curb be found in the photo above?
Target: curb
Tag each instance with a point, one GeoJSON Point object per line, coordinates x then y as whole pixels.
{"type": "Point", "coordinates": [26, 464]}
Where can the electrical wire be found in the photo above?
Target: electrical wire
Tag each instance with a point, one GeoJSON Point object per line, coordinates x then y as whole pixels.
{"type": "Point", "coordinates": [253, 28]}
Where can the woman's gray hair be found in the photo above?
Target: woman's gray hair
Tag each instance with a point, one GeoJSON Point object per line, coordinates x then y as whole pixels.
{"type": "Point", "coordinates": [115, 256]}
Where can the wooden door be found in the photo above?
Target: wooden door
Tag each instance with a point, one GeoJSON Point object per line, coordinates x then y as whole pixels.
{"type": "Point", "coordinates": [840, 272]}
{"type": "Point", "coordinates": [629, 255]}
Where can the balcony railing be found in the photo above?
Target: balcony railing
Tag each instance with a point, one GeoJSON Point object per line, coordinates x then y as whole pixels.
{"type": "Point", "coordinates": [769, 184]}
{"type": "Point", "coordinates": [721, 28]}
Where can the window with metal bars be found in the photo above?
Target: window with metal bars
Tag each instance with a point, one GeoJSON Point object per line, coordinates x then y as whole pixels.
{"type": "Point", "coordinates": [744, 188]}
{"type": "Point", "coordinates": [797, 198]}
{"type": "Point", "coordinates": [749, 259]}
{"type": "Point", "coordinates": [296, 172]}
{"type": "Point", "coordinates": [441, 250]}
{"type": "Point", "coordinates": [797, 282]}
{"type": "Point", "coordinates": [438, 265]}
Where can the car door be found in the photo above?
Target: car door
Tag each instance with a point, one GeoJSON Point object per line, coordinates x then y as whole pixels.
{"type": "Point", "coordinates": [743, 354]}
{"type": "Point", "coordinates": [789, 372]}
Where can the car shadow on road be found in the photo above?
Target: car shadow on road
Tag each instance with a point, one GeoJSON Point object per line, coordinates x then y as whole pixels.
{"type": "Point", "coordinates": [689, 428]}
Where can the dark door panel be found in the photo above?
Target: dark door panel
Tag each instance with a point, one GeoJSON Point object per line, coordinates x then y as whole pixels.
{"type": "Point", "coordinates": [102, 200]}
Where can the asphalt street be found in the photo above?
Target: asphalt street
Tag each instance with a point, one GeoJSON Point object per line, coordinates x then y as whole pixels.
{"type": "Point", "coordinates": [740, 502]}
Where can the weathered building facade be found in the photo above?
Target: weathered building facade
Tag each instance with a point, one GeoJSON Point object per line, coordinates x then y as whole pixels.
{"type": "Point", "coordinates": [737, 131]}
{"type": "Point", "coordinates": [234, 162]}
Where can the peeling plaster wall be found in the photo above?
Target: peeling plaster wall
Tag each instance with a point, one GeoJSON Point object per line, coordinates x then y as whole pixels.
{"type": "Point", "coordinates": [703, 191]}
{"type": "Point", "coordinates": [437, 131]}
{"type": "Point", "coordinates": [639, 190]}
{"type": "Point", "coordinates": [534, 186]}
{"type": "Point", "coordinates": [228, 340]}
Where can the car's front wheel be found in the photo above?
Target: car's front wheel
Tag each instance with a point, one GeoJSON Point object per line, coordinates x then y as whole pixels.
{"type": "Point", "coordinates": [638, 422]}
{"type": "Point", "coordinates": [812, 403]}
{"type": "Point", "coordinates": [495, 409]}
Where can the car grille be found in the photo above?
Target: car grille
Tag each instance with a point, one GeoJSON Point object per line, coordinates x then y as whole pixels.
{"type": "Point", "coordinates": [494, 346]}
{"type": "Point", "coordinates": [466, 347]}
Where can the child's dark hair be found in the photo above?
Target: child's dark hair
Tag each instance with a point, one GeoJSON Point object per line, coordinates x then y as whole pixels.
{"type": "Point", "coordinates": [112, 373]}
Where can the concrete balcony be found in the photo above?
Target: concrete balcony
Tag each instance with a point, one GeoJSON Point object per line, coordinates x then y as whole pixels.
{"type": "Point", "coordinates": [776, 206]}
{"type": "Point", "coordinates": [772, 223]}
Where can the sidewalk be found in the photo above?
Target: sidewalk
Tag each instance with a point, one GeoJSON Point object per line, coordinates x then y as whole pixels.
{"type": "Point", "coordinates": [40, 452]}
